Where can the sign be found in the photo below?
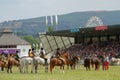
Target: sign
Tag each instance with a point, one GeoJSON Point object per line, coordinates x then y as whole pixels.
{"type": "Point", "coordinates": [75, 30]}
{"type": "Point", "coordinates": [98, 28]}
{"type": "Point", "coordinates": [7, 51]}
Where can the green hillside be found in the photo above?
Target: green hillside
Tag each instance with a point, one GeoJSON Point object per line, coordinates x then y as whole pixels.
{"type": "Point", "coordinates": [33, 26]}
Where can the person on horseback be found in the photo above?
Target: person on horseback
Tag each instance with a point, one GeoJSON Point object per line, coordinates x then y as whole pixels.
{"type": "Point", "coordinates": [4, 60]}
{"type": "Point", "coordinates": [16, 56]}
{"type": "Point", "coordinates": [42, 53]}
{"type": "Point", "coordinates": [31, 53]}
{"type": "Point", "coordinates": [58, 55]}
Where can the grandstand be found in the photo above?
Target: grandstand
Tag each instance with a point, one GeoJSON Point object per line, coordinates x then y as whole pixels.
{"type": "Point", "coordinates": [65, 38]}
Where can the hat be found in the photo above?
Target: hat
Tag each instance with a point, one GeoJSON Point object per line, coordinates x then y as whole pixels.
{"type": "Point", "coordinates": [58, 48]}
{"type": "Point", "coordinates": [41, 48]}
{"type": "Point", "coordinates": [17, 51]}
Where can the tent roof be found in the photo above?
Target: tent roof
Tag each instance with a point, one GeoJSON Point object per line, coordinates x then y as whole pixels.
{"type": "Point", "coordinates": [7, 38]}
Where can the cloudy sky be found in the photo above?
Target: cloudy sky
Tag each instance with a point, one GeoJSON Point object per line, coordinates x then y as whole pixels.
{"type": "Point", "coordinates": [23, 9]}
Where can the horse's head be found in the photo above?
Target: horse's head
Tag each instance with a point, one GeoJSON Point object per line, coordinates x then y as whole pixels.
{"type": "Point", "coordinates": [49, 55]}
{"type": "Point", "coordinates": [65, 55]}
{"type": "Point", "coordinates": [114, 59]}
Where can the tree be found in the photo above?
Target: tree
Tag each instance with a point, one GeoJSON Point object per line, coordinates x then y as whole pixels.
{"type": "Point", "coordinates": [50, 29]}
{"type": "Point", "coordinates": [31, 40]}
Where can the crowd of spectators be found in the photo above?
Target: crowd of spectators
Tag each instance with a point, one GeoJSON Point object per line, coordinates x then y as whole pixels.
{"type": "Point", "coordinates": [111, 48]}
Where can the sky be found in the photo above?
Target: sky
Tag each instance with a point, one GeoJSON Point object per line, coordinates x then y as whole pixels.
{"type": "Point", "coordinates": [25, 9]}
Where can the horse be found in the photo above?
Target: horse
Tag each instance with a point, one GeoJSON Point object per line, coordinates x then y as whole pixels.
{"type": "Point", "coordinates": [72, 62]}
{"type": "Point", "coordinates": [115, 61]}
{"type": "Point", "coordinates": [10, 62]}
{"type": "Point", "coordinates": [87, 62]}
{"type": "Point", "coordinates": [43, 61]}
{"type": "Point", "coordinates": [58, 62]}
{"type": "Point", "coordinates": [24, 63]}
{"type": "Point", "coordinates": [92, 60]}
{"type": "Point", "coordinates": [95, 61]}
{"type": "Point", "coordinates": [2, 65]}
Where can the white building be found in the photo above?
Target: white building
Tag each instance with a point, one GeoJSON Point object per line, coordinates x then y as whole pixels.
{"type": "Point", "coordinates": [11, 43]}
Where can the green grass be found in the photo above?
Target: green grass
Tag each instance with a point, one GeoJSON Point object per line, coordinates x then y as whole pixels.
{"type": "Point", "coordinates": [79, 74]}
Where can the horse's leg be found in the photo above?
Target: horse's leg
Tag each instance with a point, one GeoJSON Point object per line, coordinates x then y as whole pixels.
{"type": "Point", "coordinates": [74, 66]}
{"type": "Point", "coordinates": [89, 67]}
{"type": "Point", "coordinates": [95, 65]}
{"type": "Point", "coordinates": [27, 67]}
{"type": "Point", "coordinates": [68, 66]}
{"type": "Point", "coordinates": [2, 66]}
{"type": "Point", "coordinates": [92, 65]}
{"type": "Point", "coordinates": [104, 66]}
{"type": "Point", "coordinates": [63, 68]}
{"type": "Point", "coordinates": [46, 67]}
{"type": "Point", "coordinates": [8, 67]}
{"type": "Point", "coordinates": [71, 66]}
{"type": "Point", "coordinates": [21, 67]}
{"type": "Point", "coordinates": [11, 69]}
{"type": "Point", "coordinates": [32, 69]}
{"type": "Point", "coordinates": [51, 67]}
{"type": "Point", "coordinates": [86, 68]}
{"type": "Point", "coordinates": [36, 66]}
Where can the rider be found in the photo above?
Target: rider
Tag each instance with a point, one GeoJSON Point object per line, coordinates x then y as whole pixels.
{"type": "Point", "coordinates": [42, 53]}
{"type": "Point", "coordinates": [3, 59]}
{"type": "Point", "coordinates": [31, 53]}
{"type": "Point", "coordinates": [16, 56]}
{"type": "Point", "coordinates": [58, 55]}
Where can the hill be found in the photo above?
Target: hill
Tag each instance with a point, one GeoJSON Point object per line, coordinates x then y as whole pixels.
{"type": "Point", "coordinates": [33, 26]}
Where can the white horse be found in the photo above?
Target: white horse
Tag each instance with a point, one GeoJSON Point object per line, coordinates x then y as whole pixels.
{"type": "Point", "coordinates": [43, 61]}
{"type": "Point", "coordinates": [115, 61]}
{"type": "Point", "coordinates": [24, 63]}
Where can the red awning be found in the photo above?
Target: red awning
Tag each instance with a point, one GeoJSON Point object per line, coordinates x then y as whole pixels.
{"type": "Point", "coordinates": [98, 28]}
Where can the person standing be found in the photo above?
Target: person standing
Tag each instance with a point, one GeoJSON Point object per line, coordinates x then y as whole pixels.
{"type": "Point", "coordinates": [106, 62]}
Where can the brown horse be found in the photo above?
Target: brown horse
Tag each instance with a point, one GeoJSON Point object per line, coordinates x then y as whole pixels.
{"type": "Point", "coordinates": [10, 63]}
{"type": "Point", "coordinates": [92, 60]}
{"type": "Point", "coordinates": [95, 61]}
{"type": "Point", "coordinates": [72, 62]}
{"type": "Point", "coordinates": [2, 65]}
{"type": "Point", "coordinates": [58, 62]}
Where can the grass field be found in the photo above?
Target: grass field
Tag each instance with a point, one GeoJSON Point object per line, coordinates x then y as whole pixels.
{"type": "Point", "coordinates": [80, 74]}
